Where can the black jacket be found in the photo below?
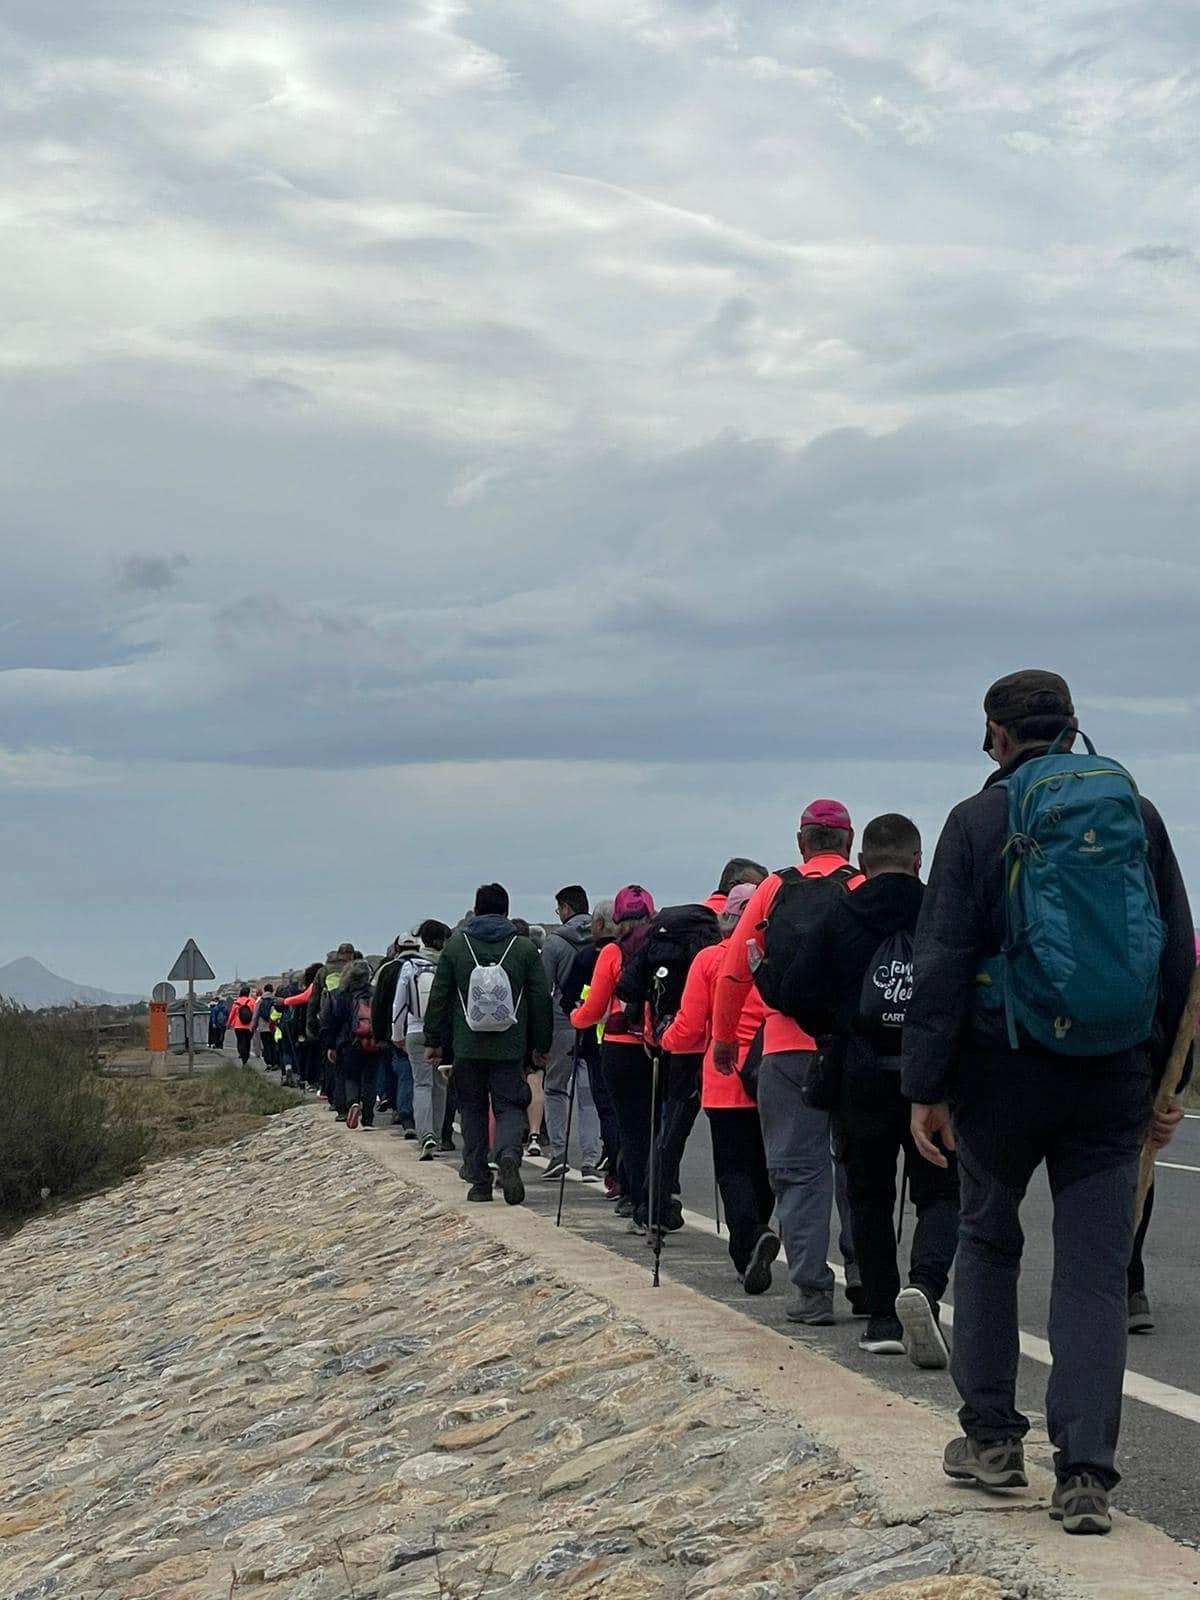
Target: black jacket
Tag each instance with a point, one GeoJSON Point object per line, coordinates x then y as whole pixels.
{"type": "Point", "coordinates": [823, 985]}
{"type": "Point", "coordinates": [962, 922]}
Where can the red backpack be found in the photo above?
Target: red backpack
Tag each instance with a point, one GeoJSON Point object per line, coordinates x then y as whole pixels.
{"type": "Point", "coordinates": [361, 1031]}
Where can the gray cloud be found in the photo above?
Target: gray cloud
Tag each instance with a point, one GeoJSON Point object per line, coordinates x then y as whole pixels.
{"type": "Point", "coordinates": [1161, 254]}
{"type": "Point", "coordinates": [686, 406]}
{"type": "Point", "coordinates": [153, 573]}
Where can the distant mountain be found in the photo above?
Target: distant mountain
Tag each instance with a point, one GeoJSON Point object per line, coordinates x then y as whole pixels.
{"type": "Point", "coordinates": [31, 984]}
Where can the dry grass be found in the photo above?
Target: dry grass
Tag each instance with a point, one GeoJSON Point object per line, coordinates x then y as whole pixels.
{"type": "Point", "coordinates": [67, 1129]}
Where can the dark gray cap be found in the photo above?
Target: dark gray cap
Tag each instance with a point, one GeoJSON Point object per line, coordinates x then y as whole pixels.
{"type": "Point", "coordinates": [1030, 702]}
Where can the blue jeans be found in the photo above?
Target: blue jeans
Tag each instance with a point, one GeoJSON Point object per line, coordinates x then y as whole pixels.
{"type": "Point", "coordinates": [402, 1086]}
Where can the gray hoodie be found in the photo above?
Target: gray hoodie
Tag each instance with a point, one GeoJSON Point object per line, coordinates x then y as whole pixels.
{"type": "Point", "coordinates": [558, 956]}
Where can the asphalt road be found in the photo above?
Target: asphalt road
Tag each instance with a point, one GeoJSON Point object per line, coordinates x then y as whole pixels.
{"type": "Point", "coordinates": [1159, 1444]}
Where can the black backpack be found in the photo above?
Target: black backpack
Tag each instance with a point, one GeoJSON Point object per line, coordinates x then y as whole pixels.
{"type": "Point", "coordinates": [579, 975]}
{"type": "Point", "coordinates": [886, 991]}
{"type": "Point", "coordinates": [797, 911]}
{"type": "Point", "coordinates": [655, 973]}
{"type": "Point", "coordinates": [245, 1013]}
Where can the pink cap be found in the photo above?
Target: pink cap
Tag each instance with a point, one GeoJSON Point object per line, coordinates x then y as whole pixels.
{"type": "Point", "coordinates": [826, 814]}
{"type": "Point", "coordinates": [633, 902]}
{"type": "Point", "coordinates": [738, 898]}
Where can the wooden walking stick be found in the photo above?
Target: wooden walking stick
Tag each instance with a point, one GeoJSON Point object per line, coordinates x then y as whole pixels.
{"type": "Point", "coordinates": [1169, 1087]}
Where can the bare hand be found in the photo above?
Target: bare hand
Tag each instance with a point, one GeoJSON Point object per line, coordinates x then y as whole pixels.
{"type": "Point", "coordinates": [724, 1058]}
{"type": "Point", "coordinates": [1164, 1123]}
{"type": "Point", "coordinates": [930, 1123]}
{"type": "Point", "coordinates": [433, 1056]}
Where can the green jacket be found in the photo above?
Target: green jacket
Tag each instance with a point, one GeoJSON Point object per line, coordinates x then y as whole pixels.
{"type": "Point", "coordinates": [445, 1017]}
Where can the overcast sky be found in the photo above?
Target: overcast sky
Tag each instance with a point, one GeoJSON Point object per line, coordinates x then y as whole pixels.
{"type": "Point", "coordinates": [555, 441]}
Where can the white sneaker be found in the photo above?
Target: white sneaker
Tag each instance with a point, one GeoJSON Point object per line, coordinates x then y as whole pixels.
{"type": "Point", "coordinates": [923, 1341]}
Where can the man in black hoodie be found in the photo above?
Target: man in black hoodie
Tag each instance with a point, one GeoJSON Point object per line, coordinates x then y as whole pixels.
{"type": "Point", "coordinates": [853, 980]}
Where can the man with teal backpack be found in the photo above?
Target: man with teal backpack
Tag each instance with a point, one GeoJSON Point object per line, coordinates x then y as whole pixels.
{"type": "Point", "coordinates": [1051, 965]}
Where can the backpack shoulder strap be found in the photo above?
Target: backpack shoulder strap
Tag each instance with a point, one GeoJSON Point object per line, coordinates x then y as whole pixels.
{"type": "Point", "coordinates": [846, 872]}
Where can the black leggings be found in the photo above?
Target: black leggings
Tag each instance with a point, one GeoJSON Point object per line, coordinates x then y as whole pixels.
{"type": "Point", "coordinates": [628, 1075]}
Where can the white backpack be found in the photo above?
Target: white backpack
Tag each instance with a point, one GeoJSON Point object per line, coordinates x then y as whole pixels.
{"type": "Point", "coordinates": [420, 982]}
{"type": "Point", "coordinates": [488, 1005]}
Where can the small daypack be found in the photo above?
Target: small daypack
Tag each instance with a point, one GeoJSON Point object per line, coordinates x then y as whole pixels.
{"type": "Point", "coordinates": [420, 983]}
{"type": "Point", "coordinates": [488, 1004]}
{"type": "Point", "coordinates": [654, 974]}
{"type": "Point", "coordinates": [1079, 970]}
{"type": "Point", "coordinates": [886, 991]}
{"type": "Point", "coordinates": [245, 1013]}
{"type": "Point", "coordinates": [361, 1032]}
{"type": "Point", "coordinates": [796, 912]}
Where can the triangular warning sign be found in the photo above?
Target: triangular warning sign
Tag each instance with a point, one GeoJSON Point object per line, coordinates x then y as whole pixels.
{"type": "Point", "coordinates": [190, 964]}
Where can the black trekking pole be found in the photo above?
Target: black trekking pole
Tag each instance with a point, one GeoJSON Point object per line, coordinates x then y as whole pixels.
{"type": "Point", "coordinates": [654, 1176]}
{"type": "Point", "coordinates": [562, 1177]}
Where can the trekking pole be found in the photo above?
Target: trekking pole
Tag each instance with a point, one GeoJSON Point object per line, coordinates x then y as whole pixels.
{"type": "Point", "coordinates": [652, 1207]}
{"type": "Point", "coordinates": [905, 1188]}
{"type": "Point", "coordinates": [716, 1196]}
{"type": "Point", "coordinates": [562, 1177]}
{"type": "Point", "coordinates": [1169, 1087]}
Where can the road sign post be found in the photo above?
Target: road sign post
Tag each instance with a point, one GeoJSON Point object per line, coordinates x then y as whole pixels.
{"type": "Point", "coordinates": [189, 966]}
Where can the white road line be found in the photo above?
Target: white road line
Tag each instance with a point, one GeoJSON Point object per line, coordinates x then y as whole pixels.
{"type": "Point", "coordinates": [1163, 1396]}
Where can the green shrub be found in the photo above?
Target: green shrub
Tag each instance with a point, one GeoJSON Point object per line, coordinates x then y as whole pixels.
{"type": "Point", "coordinates": [63, 1129]}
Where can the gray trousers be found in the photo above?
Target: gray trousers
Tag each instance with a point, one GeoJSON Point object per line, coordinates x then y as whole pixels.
{"type": "Point", "coordinates": [557, 1089]}
{"type": "Point", "coordinates": [801, 1169]}
{"type": "Point", "coordinates": [429, 1091]}
{"type": "Point", "coordinates": [1086, 1120]}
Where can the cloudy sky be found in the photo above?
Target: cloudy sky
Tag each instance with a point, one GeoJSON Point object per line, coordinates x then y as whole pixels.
{"type": "Point", "coordinates": [548, 441]}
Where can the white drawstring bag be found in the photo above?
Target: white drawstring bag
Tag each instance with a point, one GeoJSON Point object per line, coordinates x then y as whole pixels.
{"type": "Point", "coordinates": [488, 1004]}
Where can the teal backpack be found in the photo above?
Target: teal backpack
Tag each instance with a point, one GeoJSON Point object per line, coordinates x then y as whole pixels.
{"type": "Point", "coordinates": [1079, 972]}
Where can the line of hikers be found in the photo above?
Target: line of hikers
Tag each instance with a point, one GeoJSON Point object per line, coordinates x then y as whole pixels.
{"type": "Point", "coordinates": [831, 1019]}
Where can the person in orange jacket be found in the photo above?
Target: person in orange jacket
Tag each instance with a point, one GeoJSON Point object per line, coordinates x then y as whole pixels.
{"type": "Point", "coordinates": [624, 1064]}
{"type": "Point", "coordinates": [738, 1154]}
{"type": "Point", "coordinates": [797, 1139]}
{"type": "Point", "coordinates": [241, 1020]}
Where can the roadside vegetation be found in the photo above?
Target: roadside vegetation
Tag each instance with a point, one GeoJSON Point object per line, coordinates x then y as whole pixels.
{"type": "Point", "coordinates": [69, 1128]}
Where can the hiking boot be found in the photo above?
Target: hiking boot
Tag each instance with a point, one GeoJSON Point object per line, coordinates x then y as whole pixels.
{"type": "Point", "coordinates": [625, 1206]}
{"type": "Point", "coordinates": [757, 1277]}
{"type": "Point", "coordinates": [632, 1225]}
{"type": "Point", "coordinates": [602, 1164]}
{"type": "Point", "coordinates": [1081, 1505]}
{"type": "Point", "coordinates": [998, 1465]}
{"type": "Point", "coordinates": [923, 1341]}
{"type": "Point", "coordinates": [534, 1147]}
{"type": "Point", "coordinates": [384, 1105]}
{"type": "Point", "coordinates": [813, 1307]}
{"type": "Point", "coordinates": [673, 1220]}
{"type": "Point", "coordinates": [589, 1175]}
{"type": "Point", "coordinates": [428, 1150]}
{"type": "Point", "coordinates": [1141, 1318]}
{"type": "Point", "coordinates": [510, 1181]}
{"type": "Point", "coordinates": [410, 1130]}
{"type": "Point", "coordinates": [340, 1117]}
{"type": "Point", "coordinates": [447, 1147]}
{"type": "Point", "coordinates": [882, 1336]}
{"type": "Point", "coordinates": [612, 1189]}
{"type": "Point", "coordinates": [464, 1174]}
{"type": "Point", "coordinates": [354, 1115]}
{"type": "Point", "coordinates": [480, 1192]}
{"type": "Point", "coordinates": [556, 1171]}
